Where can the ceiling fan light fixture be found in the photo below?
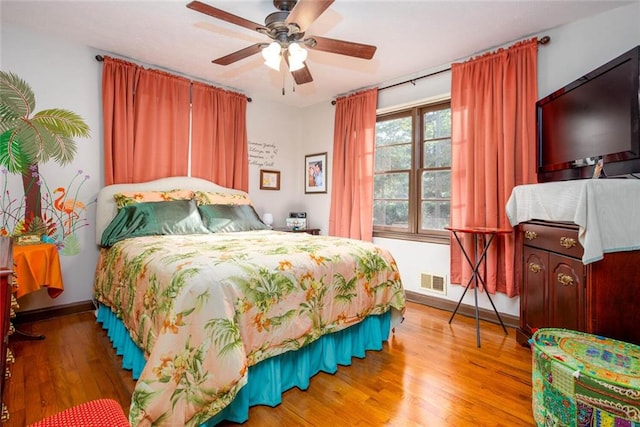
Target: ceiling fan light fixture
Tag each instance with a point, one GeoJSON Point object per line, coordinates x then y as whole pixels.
{"type": "Point", "coordinates": [287, 29]}
{"type": "Point", "coordinates": [297, 56]}
{"type": "Point", "coordinates": [273, 63]}
{"type": "Point", "coordinates": [272, 55]}
{"type": "Point", "coordinates": [295, 66]}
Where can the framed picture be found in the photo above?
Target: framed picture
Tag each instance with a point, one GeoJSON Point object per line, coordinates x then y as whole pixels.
{"type": "Point", "coordinates": [598, 170]}
{"type": "Point", "coordinates": [315, 167]}
{"type": "Point", "coordinates": [269, 180]}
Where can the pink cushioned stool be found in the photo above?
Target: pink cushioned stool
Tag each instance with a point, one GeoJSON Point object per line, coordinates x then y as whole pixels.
{"type": "Point", "coordinates": [96, 413]}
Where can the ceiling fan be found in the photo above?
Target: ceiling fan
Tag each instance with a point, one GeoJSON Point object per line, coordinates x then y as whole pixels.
{"type": "Point", "coordinates": [287, 28]}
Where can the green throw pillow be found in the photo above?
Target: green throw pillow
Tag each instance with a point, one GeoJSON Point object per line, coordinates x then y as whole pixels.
{"type": "Point", "coordinates": [154, 219]}
{"type": "Point", "coordinates": [228, 218]}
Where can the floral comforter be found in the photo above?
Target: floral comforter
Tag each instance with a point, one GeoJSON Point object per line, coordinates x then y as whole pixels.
{"type": "Point", "coordinates": [206, 307]}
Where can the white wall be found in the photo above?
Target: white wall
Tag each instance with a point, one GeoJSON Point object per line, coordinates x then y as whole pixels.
{"type": "Point", "coordinates": [275, 125]}
{"type": "Point", "coordinates": [300, 132]}
{"type": "Point", "coordinates": [580, 47]}
{"type": "Point", "coordinates": [317, 137]}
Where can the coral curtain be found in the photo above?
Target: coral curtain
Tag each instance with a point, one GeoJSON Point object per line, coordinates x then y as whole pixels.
{"type": "Point", "coordinates": [118, 83]}
{"type": "Point", "coordinates": [219, 150]}
{"type": "Point", "coordinates": [161, 136]}
{"type": "Point", "coordinates": [351, 212]}
{"type": "Point", "coordinates": [146, 123]}
{"type": "Point", "coordinates": [493, 149]}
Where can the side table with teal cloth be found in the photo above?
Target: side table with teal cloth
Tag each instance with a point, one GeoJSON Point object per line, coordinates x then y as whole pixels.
{"type": "Point", "coordinates": [581, 379]}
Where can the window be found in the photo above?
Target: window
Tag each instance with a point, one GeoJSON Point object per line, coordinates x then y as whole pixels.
{"type": "Point", "coordinates": [412, 175]}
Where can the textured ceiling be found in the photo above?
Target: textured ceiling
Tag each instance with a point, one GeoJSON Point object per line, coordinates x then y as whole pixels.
{"type": "Point", "coordinates": [411, 36]}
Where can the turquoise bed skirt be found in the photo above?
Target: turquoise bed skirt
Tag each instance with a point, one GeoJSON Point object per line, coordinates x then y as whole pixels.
{"type": "Point", "coordinates": [270, 378]}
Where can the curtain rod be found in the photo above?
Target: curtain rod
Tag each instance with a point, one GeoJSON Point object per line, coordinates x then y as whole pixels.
{"type": "Point", "coordinates": [100, 58]}
{"type": "Point", "coordinates": [544, 40]}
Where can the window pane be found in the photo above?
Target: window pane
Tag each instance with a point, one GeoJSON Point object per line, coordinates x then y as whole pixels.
{"type": "Point", "coordinates": [391, 213]}
{"type": "Point", "coordinates": [393, 158]}
{"type": "Point", "coordinates": [435, 215]}
{"type": "Point", "coordinates": [391, 186]}
{"type": "Point", "coordinates": [436, 184]}
{"type": "Point", "coordinates": [394, 131]}
{"type": "Point", "coordinates": [437, 124]}
{"type": "Point", "coordinates": [437, 153]}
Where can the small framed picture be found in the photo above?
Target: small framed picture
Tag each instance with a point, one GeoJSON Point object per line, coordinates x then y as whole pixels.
{"type": "Point", "coordinates": [315, 167]}
{"type": "Point", "coordinates": [269, 180]}
{"type": "Point", "coordinates": [598, 170]}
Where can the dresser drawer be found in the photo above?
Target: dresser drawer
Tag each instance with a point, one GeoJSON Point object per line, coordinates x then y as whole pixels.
{"type": "Point", "coordinates": [561, 239]}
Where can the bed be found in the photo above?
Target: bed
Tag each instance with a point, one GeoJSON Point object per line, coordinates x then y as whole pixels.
{"type": "Point", "coordinates": [214, 312]}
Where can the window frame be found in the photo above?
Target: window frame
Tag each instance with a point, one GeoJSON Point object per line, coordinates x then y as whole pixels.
{"type": "Point", "coordinates": [414, 232]}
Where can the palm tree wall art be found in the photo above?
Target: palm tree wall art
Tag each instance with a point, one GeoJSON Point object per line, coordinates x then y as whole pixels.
{"type": "Point", "coordinates": [28, 139]}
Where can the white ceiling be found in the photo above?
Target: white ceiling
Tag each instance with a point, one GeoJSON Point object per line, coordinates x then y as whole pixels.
{"type": "Point", "coordinates": [411, 36]}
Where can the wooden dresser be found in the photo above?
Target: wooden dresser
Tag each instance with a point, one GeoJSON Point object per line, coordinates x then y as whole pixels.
{"type": "Point", "coordinates": [8, 303]}
{"type": "Point", "coordinates": [579, 246]}
{"type": "Point", "coordinates": [558, 290]}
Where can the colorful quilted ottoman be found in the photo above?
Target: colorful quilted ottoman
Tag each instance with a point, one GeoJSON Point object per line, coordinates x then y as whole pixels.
{"type": "Point", "coordinates": [584, 380]}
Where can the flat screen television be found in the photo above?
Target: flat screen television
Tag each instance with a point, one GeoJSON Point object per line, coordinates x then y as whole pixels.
{"type": "Point", "coordinates": [595, 117]}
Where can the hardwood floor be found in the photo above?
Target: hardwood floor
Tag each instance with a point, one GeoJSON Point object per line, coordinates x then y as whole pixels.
{"type": "Point", "coordinates": [430, 373]}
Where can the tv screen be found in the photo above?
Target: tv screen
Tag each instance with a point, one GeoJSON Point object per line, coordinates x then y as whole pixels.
{"type": "Point", "coordinates": [595, 117]}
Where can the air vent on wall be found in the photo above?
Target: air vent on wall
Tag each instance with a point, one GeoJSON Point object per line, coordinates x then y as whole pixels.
{"type": "Point", "coordinates": [434, 283]}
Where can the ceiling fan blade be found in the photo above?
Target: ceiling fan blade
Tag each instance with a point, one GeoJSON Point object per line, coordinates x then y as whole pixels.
{"type": "Point", "coordinates": [301, 76]}
{"type": "Point", "coordinates": [306, 11]}
{"type": "Point", "coordinates": [221, 14]}
{"type": "Point", "coordinates": [342, 47]}
{"type": "Point", "coordinates": [240, 54]}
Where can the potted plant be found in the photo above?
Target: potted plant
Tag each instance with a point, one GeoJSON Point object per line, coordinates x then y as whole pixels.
{"type": "Point", "coordinates": [28, 138]}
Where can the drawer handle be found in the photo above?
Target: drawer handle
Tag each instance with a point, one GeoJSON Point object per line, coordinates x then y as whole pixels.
{"type": "Point", "coordinates": [10, 357]}
{"type": "Point", "coordinates": [530, 235]}
{"type": "Point", "coordinates": [7, 373]}
{"type": "Point", "coordinates": [567, 242]}
{"type": "Point", "coordinates": [534, 268]}
{"type": "Point", "coordinates": [565, 279]}
{"type": "Point", "coordinates": [5, 414]}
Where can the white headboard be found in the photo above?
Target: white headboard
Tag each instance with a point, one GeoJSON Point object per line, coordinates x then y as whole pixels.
{"type": "Point", "coordinates": [106, 208]}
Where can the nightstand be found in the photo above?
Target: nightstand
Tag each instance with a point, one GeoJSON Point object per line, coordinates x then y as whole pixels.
{"type": "Point", "coordinates": [314, 231]}
{"type": "Point", "coordinates": [37, 266]}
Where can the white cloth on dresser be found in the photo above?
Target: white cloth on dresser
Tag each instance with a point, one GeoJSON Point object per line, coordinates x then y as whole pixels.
{"type": "Point", "coordinates": [607, 211]}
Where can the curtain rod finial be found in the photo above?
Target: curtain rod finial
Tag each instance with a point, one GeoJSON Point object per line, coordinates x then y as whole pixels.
{"type": "Point", "coordinates": [544, 40]}
{"type": "Point", "coordinates": [99, 58]}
